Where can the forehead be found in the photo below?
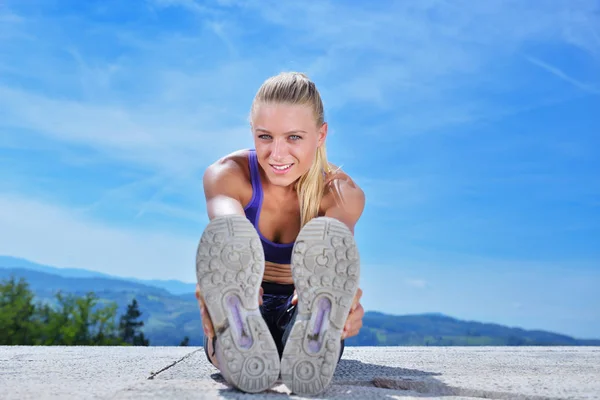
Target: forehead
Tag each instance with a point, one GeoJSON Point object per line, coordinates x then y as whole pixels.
{"type": "Point", "coordinates": [283, 117]}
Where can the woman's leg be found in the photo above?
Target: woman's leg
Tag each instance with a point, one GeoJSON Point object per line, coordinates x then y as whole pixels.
{"type": "Point", "coordinates": [325, 268]}
{"type": "Point", "coordinates": [275, 303]}
{"type": "Point", "coordinates": [230, 267]}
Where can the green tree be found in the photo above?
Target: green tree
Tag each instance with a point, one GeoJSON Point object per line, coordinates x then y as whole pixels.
{"type": "Point", "coordinates": [69, 320]}
{"type": "Point", "coordinates": [79, 321]}
{"type": "Point", "coordinates": [18, 320]}
{"type": "Point", "coordinates": [104, 329]}
{"type": "Point", "coordinates": [130, 326]}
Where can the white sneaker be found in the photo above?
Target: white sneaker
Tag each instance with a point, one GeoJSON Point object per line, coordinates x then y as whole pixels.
{"type": "Point", "coordinates": [229, 267]}
{"type": "Point", "coordinates": [326, 270]}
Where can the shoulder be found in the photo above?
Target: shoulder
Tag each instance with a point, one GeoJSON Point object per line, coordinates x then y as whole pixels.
{"type": "Point", "coordinates": [228, 171]}
{"type": "Point", "coordinates": [342, 196]}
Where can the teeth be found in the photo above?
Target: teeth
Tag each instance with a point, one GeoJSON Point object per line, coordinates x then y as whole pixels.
{"type": "Point", "coordinates": [282, 167]}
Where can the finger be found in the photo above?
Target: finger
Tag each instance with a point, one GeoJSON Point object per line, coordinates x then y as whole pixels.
{"type": "Point", "coordinates": [208, 328]}
{"type": "Point", "coordinates": [349, 323]}
{"type": "Point", "coordinates": [347, 329]}
{"type": "Point", "coordinates": [294, 298]}
{"type": "Point", "coordinates": [207, 325]}
{"type": "Point", "coordinates": [352, 326]}
{"type": "Point", "coordinates": [202, 306]}
{"type": "Point", "coordinates": [355, 317]}
{"type": "Point", "coordinates": [204, 315]}
{"type": "Point", "coordinates": [260, 296]}
{"type": "Point", "coordinates": [359, 312]}
{"type": "Point", "coordinates": [356, 300]}
{"type": "Point", "coordinates": [199, 296]}
{"type": "Point", "coordinates": [354, 330]}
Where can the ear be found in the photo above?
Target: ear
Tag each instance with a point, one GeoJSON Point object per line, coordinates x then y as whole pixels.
{"type": "Point", "coordinates": [322, 134]}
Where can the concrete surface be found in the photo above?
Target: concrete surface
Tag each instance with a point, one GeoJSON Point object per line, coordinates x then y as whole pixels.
{"type": "Point", "coordinates": [363, 373]}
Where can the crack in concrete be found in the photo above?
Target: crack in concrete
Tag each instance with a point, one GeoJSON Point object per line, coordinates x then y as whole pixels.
{"type": "Point", "coordinates": [154, 374]}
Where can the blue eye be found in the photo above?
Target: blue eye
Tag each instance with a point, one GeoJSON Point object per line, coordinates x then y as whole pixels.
{"type": "Point", "coordinates": [264, 137]}
{"type": "Point", "coordinates": [295, 137]}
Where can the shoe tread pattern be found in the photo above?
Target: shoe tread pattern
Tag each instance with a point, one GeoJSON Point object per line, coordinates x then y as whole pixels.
{"type": "Point", "coordinates": [325, 263]}
{"type": "Point", "coordinates": [230, 261]}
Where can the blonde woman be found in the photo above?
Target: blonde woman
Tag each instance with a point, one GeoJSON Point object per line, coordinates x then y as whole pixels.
{"type": "Point", "coordinates": [277, 265]}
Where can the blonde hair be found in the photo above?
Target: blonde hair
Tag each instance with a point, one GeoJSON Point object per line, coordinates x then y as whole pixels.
{"type": "Point", "coordinates": [297, 89]}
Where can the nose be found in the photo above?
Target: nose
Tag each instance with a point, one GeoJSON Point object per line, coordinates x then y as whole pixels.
{"type": "Point", "coordinates": [279, 150]}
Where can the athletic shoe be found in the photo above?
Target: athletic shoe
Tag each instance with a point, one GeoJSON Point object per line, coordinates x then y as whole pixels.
{"type": "Point", "coordinates": [325, 269]}
{"type": "Point", "coordinates": [230, 265]}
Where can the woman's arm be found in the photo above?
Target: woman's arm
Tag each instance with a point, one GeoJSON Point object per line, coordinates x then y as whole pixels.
{"type": "Point", "coordinates": [345, 201]}
{"type": "Point", "coordinates": [223, 181]}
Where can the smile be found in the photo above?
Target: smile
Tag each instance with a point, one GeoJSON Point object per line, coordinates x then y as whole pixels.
{"type": "Point", "coordinates": [281, 169]}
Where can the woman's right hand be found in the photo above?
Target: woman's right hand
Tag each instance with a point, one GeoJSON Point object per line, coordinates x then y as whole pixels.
{"type": "Point", "coordinates": [209, 330]}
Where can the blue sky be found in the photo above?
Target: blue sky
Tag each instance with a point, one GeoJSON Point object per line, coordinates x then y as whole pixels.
{"type": "Point", "coordinates": [473, 128]}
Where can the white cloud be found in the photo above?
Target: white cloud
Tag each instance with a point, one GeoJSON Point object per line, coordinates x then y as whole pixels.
{"type": "Point", "coordinates": [562, 75]}
{"type": "Point", "coordinates": [53, 235]}
{"type": "Point", "coordinates": [170, 140]}
{"type": "Point", "coordinates": [423, 61]}
{"type": "Point", "coordinates": [430, 63]}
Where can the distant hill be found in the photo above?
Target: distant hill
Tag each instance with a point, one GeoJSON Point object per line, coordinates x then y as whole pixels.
{"type": "Point", "coordinates": [169, 317]}
{"type": "Point", "coordinates": [173, 286]}
{"type": "Point", "coordinates": [441, 330]}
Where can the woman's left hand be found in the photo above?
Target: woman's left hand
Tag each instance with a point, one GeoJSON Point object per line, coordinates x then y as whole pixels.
{"type": "Point", "coordinates": [354, 320]}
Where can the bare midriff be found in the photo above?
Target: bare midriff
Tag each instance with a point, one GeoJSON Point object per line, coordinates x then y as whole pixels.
{"type": "Point", "coordinates": [278, 273]}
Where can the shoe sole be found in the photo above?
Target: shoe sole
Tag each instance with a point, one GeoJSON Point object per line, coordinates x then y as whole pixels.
{"type": "Point", "coordinates": [326, 271]}
{"type": "Point", "coordinates": [230, 268]}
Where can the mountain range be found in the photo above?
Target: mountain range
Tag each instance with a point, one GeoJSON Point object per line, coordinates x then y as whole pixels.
{"type": "Point", "coordinates": [170, 312]}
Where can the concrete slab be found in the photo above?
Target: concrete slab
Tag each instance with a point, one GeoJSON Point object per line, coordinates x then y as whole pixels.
{"type": "Point", "coordinates": [78, 372]}
{"type": "Point", "coordinates": [363, 373]}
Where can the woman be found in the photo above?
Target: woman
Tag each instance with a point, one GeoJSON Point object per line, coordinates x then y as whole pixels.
{"type": "Point", "coordinates": [277, 265]}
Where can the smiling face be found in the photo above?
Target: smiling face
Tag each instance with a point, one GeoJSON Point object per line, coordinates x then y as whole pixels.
{"type": "Point", "coordinates": [286, 138]}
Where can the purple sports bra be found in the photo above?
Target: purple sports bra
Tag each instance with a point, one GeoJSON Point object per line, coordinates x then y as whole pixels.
{"type": "Point", "coordinates": [280, 253]}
